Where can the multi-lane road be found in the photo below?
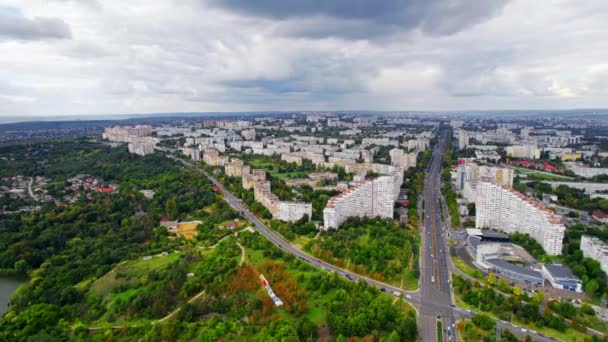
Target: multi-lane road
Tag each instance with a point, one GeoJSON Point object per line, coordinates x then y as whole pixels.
{"type": "Point", "coordinates": [435, 283]}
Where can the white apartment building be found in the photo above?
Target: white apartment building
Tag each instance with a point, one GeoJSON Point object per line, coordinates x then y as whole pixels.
{"type": "Point", "coordinates": [293, 211]}
{"type": "Point", "coordinates": [371, 198]}
{"type": "Point", "coordinates": [141, 148]}
{"type": "Point", "coordinates": [595, 249]}
{"type": "Point", "coordinates": [126, 133]}
{"type": "Point", "coordinates": [500, 207]}
{"type": "Point", "coordinates": [586, 171]}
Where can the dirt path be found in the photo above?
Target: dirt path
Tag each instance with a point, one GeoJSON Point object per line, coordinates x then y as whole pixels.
{"type": "Point", "coordinates": [242, 253]}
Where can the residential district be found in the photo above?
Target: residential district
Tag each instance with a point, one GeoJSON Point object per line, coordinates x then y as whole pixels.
{"type": "Point", "coordinates": [514, 196]}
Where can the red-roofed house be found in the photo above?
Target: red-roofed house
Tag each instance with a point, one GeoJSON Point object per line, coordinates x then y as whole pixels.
{"type": "Point", "coordinates": [600, 216]}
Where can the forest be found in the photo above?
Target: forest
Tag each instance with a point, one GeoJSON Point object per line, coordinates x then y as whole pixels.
{"type": "Point", "coordinates": [377, 247]}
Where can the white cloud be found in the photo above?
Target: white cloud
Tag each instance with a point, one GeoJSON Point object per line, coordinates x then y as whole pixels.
{"type": "Point", "coordinates": [168, 55]}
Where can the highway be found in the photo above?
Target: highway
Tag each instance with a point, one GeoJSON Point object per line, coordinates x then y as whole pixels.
{"type": "Point", "coordinates": [434, 298]}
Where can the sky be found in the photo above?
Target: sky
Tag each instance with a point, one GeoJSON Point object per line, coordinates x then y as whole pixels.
{"type": "Point", "coordinates": [92, 57]}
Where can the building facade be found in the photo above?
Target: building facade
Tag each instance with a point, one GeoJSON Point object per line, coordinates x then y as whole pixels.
{"type": "Point", "coordinates": [500, 207]}
{"type": "Point", "coordinates": [595, 249]}
{"type": "Point", "coordinates": [371, 198]}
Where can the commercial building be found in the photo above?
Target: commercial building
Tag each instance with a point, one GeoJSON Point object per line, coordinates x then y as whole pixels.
{"type": "Point", "coordinates": [595, 249]}
{"type": "Point", "coordinates": [373, 197]}
{"type": "Point", "coordinates": [500, 207]}
{"type": "Point", "coordinates": [561, 277]}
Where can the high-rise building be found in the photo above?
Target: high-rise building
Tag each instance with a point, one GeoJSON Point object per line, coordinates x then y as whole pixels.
{"type": "Point", "coordinates": [373, 197]}
{"type": "Point", "coordinates": [500, 207]}
{"type": "Point", "coordinates": [141, 148]}
{"type": "Point", "coordinates": [463, 139]}
{"type": "Point", "coordinates": [401, 159]}
{"type": "Point", "coordinates": [595, 249]}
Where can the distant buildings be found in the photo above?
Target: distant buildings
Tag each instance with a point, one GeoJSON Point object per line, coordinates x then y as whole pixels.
{"type": "Point", "coordinates": [468, 174]}
{"type": "Point", "coordinates": [586, 171]}
{"type": "Point", "coordinates": [595, 249]}
{"type": "Point", "coordinates": [501, 207]}
{"type": "Point", "coordinates": [212, 157]}
{"type": "Point", "coordinates": [139, 138]}
{"type": "Point", "coordinates": [463, 139]}
{"type": "Point", "coordinates": [248, 134]}
{"type": "Point", "coordinates": [126, 133]}
{"type": "Point", "coordinates": [371, 198]}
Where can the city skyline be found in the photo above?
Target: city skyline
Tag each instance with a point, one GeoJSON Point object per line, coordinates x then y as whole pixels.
{"type": "Point", "coordinates": [87, 58]}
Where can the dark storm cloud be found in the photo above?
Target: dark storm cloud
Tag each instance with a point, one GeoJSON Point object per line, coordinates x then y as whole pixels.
{"type": "Point", "coordinates": [13, 25]}
{"type": "Point", "coordinates": [361, 19]}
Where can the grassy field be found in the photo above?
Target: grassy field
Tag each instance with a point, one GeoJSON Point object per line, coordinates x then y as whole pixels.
{"type": "Point", "coordinates": [461, 265]}
{"type": "Point", "coordinates": [542, 175]}
{"type": "Point", "coordinates": [130, 271]}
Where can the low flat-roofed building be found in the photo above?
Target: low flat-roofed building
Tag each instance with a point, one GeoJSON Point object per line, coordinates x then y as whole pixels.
{"type": "Point", "coordinates": [561, 277]}
{"type": "Point", "coordinates": [515, 272]}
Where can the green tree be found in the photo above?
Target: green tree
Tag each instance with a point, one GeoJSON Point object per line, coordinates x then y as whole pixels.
{"type": "Point", "coordinates": [171, 208]}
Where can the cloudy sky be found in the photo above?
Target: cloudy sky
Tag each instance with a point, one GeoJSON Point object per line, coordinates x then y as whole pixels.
{"type": "Point", "coordinates": [82, 57]}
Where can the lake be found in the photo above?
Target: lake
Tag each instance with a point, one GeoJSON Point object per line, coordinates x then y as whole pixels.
{"type": "Point", "coordinates": [8, 285]}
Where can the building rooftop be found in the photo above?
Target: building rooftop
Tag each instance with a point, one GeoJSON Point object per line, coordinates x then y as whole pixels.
{"type": "Point", "coordinates": [558, 271]}
{"type": "Point", "coordinates": [499, 263]}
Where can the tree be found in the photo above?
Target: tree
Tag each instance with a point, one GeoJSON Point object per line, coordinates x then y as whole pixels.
{"type": "Point", "coordinates": [591, 287]}
{"type": "Point", "coordinates": [171, 207]}
{"type": "Point", "coordinates": [491, 278]}
{"type": "Point", "coordinates": [516, 291]}
{"type": "Point", "coordinates": [538, 297]}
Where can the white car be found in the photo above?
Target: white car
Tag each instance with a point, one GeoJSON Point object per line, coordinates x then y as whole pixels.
{"type": "Point", "coordinates": [408, 296]}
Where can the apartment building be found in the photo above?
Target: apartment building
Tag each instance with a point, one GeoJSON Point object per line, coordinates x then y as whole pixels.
{"type": "Point", "coordinates": [595, 249]}
{"type": "Point", "coordinates": [402, 159]}
{"type": "Point", "coordinates": [249, 179]}
{"type": "Point", "coordinates": [500, 207]}
{"type": "Point", "coordinates": [529, 151]}
{"type": "Point", "coordinates": [141, 148]}
{"type": "Point", "coordinates": [371, 198]}
{"type": "Point", "coordinates": [212, 157]}
{"type": "Point", "coordinates": [236, 168]}
{"type": "Point", "coordinates": [293, 211]}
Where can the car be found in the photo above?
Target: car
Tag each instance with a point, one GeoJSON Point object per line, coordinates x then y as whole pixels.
{"type": "Point", "coordinates": [382, 289]}
{"type": "Point", "coordinates": [408, 296]}
{"type": "Point", "coordinates": [524, 330]}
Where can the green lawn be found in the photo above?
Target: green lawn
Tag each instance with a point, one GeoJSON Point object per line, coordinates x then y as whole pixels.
{"type": "Point", "coordinates": [130, 270]}
{"type": "Point", "coordinates": [439, 331]}
{"type": "Point", "coordinates": [464, 267]}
